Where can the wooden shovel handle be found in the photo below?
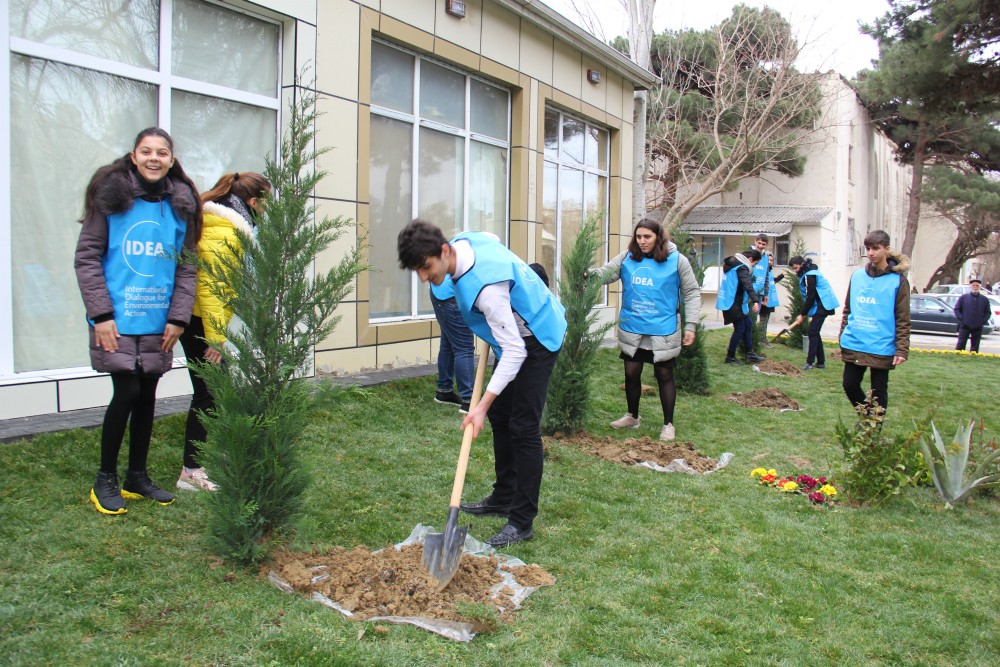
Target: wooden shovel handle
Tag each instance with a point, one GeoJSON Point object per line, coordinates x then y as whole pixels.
{"type": "Point", "coordinates": [463, 455]}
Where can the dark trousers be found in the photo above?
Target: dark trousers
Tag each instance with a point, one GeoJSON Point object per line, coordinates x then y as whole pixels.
{"type": "Point", "coordinates": [132, 404]}
{"type": "Point", "coordinates": [516, 419]}
{"type": "Point", "coordinates": [854, 374]}
{"type": "Point", "coordinates": [965, 333]}
{"type": "Point", "coordinates": [193, 342]}
{"type": "Point", "coordinates": [816, 352]}
{"type": "Point", "coordinates": [742, 332]}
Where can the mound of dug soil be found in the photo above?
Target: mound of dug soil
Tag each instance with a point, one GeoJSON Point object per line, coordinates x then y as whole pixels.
{"type": "Point", "coordinates": [775, 367]}
{"type": "Point", "coordinates": [393, 582]}
{"type": "Point", "coordinates": [640, 450]}
{"type": "Point", "coordinates": [645, 390]}
{"type": "Point", "coordinates": [771, 398]}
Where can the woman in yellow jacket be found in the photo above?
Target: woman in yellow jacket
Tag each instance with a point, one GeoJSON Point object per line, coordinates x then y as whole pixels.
{"type": "Point", "coordinates": [230, 205]}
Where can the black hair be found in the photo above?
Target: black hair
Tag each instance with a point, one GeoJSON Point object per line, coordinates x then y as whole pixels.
{"type": "Point", "coordinates": [877, 237]}
{"type": "Point", "coordinates": [417, 241]}
{"type": "Point", "coordinates": [753, 254]}
{"type": "Point", "coordinates": [798, 259]}
{"type": "Point", "coordinates": [540, 270]}
{"type": "Point", "coordinates": [660, 249]}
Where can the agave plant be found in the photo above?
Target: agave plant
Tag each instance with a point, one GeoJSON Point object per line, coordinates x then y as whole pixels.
{"type": "Point", "coordinates": [947, 465]}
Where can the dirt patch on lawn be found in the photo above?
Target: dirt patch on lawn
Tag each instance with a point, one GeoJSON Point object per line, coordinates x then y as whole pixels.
{"type": "Point", "coordinates": [645, 390]}
{"type": "Point", "coordinates": [639, 450]}
{"type": "Point", "coordinates": [770, 398]}
{"type": "Point", "coordinates": [775, 367]}
{"type": "Point", "coordinates": [394, 582]}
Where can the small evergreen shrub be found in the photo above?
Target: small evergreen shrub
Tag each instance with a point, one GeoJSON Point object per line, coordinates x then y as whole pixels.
{"type": "Point", "coordinates": [691, 372]}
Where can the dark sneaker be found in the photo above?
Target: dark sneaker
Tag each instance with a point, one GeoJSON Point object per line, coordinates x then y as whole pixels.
{"type": "Point", "coordinates": [808, 367]}
{"type": "Point", "coordinates": [106, 495]}
{"type": "Point", "coordinates": [484, 507]}
{"type": "Point", "coordinates": [819, 366]}
{"type": "Point", "coordinates": [509, 535]}
{"type": "Point", "coordinates": [732, 360]}
{"type": "Point", "coordinates": [753, 358]}
{"type": "Point", "coordinates": [464, 408]}
{"type": "Point", "coordinates": [447, 397]}
{"type": "Point", "coordinates": [138, 485]}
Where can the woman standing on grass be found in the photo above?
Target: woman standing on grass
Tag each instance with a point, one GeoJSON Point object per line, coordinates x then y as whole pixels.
{"type": "Point", "coordinates": [141, 212]}
{"type": "Point", "coordinates": [229, 206]}
{"type": "Point", "coordinates": [654, 275]}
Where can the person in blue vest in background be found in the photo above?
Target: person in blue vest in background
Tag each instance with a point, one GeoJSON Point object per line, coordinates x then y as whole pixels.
{"type": "Point", "coordinates": [141, 212]}
{"type": "Point", "coordinates": [506, 304]}
{"type": "Point", "coordinates": [654, 275]}
{"type": "Point", "coordinates": [736, 293]}
{"type": "Point", "coordinates": [875, 327]}
{"type": "Point", "coordinates": [456, 354]}
{"type": "Point", "coordinates": [819, 303]}
{"type": "Point", "coordinates": [763, 284]}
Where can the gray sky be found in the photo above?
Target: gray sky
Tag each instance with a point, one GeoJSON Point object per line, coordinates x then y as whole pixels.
{"type": "Point", "coordinates": [827, 28]}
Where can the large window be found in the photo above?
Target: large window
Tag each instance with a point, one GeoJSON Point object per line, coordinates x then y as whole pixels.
{"type": "Point", "coordinates": [574, 183]}
{"type": "Point", "coordinates": [440, 141]}
{"type": "Point", "coordinates": [85, 78]}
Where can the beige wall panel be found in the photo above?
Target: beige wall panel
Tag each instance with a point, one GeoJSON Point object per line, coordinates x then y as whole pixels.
{"type": "Point", "coordinates": [536, 53]}
{"type": "Point", "coordinates": [305, 49]}
{"type": "Point", "coordinates": [501, 35]}
{"type": "Point", "coordinates": [613, 97]}
{"type": "Point", "coordinates": [366, 332]}
{"type": "Point", "coordinates": [345, 362]}
{"type": "Point", "coordinates": [591, 112]}
{"type": "Point", "coordinates": [369, 24]}
{"type": "Point", "coordinates": [519, 238]}
{"type": "Point", "coordinates": [93, 392]}
{"type": "Point", "coordinates": [568, 101]}
{"type": "Point", "coordinates": [616, 154]}
{"type": "Point", "coordinates": [519, 183]}
{"type": "Point", "coordinates": [374, 4]}
{"type": "Point", "coordinates": [534, 186]}
{"type": "Point", "coordinates": [464, 32]}
{"type": "Point", "coordinates": [399, 355]}
{"type": "Point", "coordinates": [614, 205]}
{"type": "Point", "coordinates": [494, 70]}
{"type": "Point", "coordinates": [520, 117]}
{"type": "Point", "coordinates": [346, 333]}
{"type": "Point", "coordinates": [401, 332]}
{"type": "Point", "coordinates": [540, 94]}
{"type": "Point", "coordinates": [418, 13]}
{"type": "Point", "coordinates": [338, 38]}
{"type": "Point", "coordinates": [28, 400]}
{"type": "Point", "coordinates": [407, 34]}
{"type": "Point", "coordinates": [624, 152]}
{"type": "Point", "coordinates": [304, 10]}
{"type": "Point", "coordinates": [567, 69]}
{"type": "Point", "coordinates": [346, 244]}
{"type": "Point", "coordinates": [364, 152]}
{"type": "Point", "coordinates": [595, 94]}
{"type": "Point", "coordinates": [456, 54]}
{"type": "Point", "coordinates": [337, 128]}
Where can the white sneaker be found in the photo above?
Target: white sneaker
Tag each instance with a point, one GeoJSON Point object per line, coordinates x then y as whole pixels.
{"type": "Point", "coordinates": [628, 421]}
{"type": "Point", "coordinates": [667, 433]}
{"type": "Point", "coordinates": [195, 479]}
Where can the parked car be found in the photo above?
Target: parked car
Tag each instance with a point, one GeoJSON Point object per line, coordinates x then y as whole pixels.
{"type": "Point", "coordinates": [994, 323]}
{"type": "Point", "coordinates": [929, 314]}
{"type": "Point", "coordinates": [954, 289]}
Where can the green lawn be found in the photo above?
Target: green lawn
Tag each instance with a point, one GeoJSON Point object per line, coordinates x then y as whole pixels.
{"type": "Point", "coordinates": [657, 569]}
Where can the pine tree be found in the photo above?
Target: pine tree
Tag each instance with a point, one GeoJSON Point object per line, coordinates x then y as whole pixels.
{"type": "Point", "coordinates": [691, 374]}
{"type": "Point", "coordinates": [795, 298]}
{"type": "Point", "coordinates": [285, 307]}
{"type": "Point", "coordinates": [569, 388]}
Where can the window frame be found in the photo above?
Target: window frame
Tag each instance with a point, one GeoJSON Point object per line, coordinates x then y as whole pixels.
{"type": "Point", "coordinates": [165, 82]}
{"type": "Point", "coordinates": [468, 136]}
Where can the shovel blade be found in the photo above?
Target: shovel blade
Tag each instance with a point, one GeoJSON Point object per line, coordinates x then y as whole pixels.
{"type": "Point", "coordinates": [779, 335]}
{"type": "Point", "coordinates": [443, 551]}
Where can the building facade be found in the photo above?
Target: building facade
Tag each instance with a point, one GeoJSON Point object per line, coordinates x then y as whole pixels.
{"type": "Point", "coordinates": [495, 115]}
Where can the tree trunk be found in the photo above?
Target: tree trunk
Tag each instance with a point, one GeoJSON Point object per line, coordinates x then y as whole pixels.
{"type": "Point", "coordinates": [916, 184]}
{"type": "Point", "coordinates": [639, 157]}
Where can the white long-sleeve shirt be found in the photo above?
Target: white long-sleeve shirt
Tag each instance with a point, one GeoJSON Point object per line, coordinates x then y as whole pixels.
{"type": "Point", "coordinates": [506, 326]}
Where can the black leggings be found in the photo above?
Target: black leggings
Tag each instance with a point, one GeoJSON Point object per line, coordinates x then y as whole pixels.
{"type": "Point", "coordinates": [664, 380]}
{"type": "Point", "coordinates": [134, 396]}
{"type": "Point", "coordinates": [854, 374]}
{"type": "Point", "coordinates": [193, 342]}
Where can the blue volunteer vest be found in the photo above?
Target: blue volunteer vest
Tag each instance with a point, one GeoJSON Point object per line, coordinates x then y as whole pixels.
{"type": "Point", "coordinates": [649, 304]}
{"type": "Point", "coordinates": [139, 266]}
{"type": "Point", "coordinates": [762, 272]}
{"type": "Point", "coordinates": [544, 316]}
{"type": "Point", "coordinates": [824, 292]}
{"type": "Point", "coordinates": [444, 291]}
{"type": "Point", "coordinates": [727, 291]}
{"type": "Point", "coordinates": [871, 324]}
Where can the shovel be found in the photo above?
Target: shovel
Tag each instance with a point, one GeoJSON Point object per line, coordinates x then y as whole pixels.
{"type": "Point", "coordinates": [783, 332]}
{"type": "Point", "coordinates": [443, 551]}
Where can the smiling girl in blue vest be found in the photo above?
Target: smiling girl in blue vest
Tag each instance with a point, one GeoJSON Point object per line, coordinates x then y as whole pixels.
{"type": "Point", "coordinates": [141, 212]}
{"type": "Point", "coordinates": [654, 275]}
{"type": "Point", "coordinates": [230, 205]}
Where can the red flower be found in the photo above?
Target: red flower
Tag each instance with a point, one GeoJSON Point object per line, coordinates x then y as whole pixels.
{"type": "Point", "coordinates": [821, 480]}
{"type": "Point", "coordinates": [806, 481]}
{"type": "Point", "coordinates": [767, 479]}
{"type": "Point", "coordinates": [817, 497]}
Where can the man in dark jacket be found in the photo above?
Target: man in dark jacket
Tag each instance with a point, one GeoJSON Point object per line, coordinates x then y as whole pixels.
{"type": "Point", "coordinates": [736, 292]}
{"type": "Point", "coordinates": [820, 303]}
{"type": "Point", "coordinates": [973, 312]}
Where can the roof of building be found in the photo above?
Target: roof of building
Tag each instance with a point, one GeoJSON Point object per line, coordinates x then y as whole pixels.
{"type": "Point", "coordinates": [740, 220]}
